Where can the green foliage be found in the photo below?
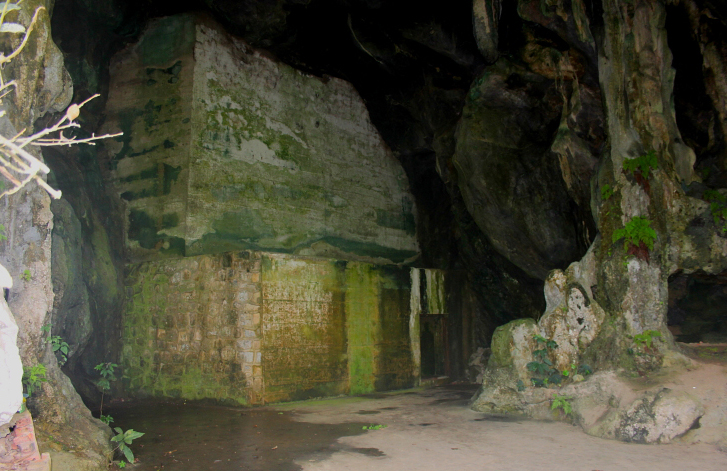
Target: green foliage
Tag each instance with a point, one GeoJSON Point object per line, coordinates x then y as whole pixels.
{"type": "Point", "coordinates": [542, 366]}
{"type": "Point", "coordinates": [124, 439]}
{"type": "Point", "coordinates": [2, 233]}
{"type": "Point", "coordinates": [606, 192]}
{"type": "Point", "coordinates": [718, 207]}
{"type": "Point", "coordinates": [561, 402]}
{"type": "Point", "coordinates": [59, 346]}
{"type": "Point", "coordinates": [637, 230]}
{"type": "Point", "coordinates": [26, 276]}
{"type": "Point", "coordinates": [646, 338]}
{"type": "Point", "coordinates": [107, 419]}
{"type": "Point", "coordinates": [644, 164]}
{"type": "Point", "coordinates": [520, 385]}
{"type": "Point", "coordinates": [106, 370]}
{"type": "Point", "coordinates": [374, 427]}
{"type": "Point", "coordinates": [584, 370]}
{"type": "Point", "coordinates": [32, 377]}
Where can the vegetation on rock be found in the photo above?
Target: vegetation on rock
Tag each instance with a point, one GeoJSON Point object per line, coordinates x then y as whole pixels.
{"type": "Point", "coordinates": [639, 237]}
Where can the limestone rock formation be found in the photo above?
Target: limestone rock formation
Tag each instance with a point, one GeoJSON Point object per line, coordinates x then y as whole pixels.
{"type": "Point", "coordinates": [486, 18]}
{"type": "Point", "coordinates": [43, 86]}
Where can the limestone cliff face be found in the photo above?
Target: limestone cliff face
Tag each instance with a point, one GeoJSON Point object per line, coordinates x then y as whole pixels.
{"type": "Point", "coordinates": [624, 281]}
{"type": "Point", "coordinates": [43, 86]}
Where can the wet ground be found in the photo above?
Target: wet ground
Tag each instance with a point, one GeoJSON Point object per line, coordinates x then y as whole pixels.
{"type": "Point", "coordinates": [427, 429]}
{"type": "Point", "coordinates": [196, 437]}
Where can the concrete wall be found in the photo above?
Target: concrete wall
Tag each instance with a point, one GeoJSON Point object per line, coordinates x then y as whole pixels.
{"type": "Point", "coordinates": [252, 328]}
{"type": "Point", "coordinates": [226, 149]}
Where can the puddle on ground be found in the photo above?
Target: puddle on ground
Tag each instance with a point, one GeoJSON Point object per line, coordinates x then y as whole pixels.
{"type": "Point", "coordinates": [498, 418]}
{"type": "Point", "coordinates": [192, 437]}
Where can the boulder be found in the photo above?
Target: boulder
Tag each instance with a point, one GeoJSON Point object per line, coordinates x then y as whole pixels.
{"type": "Point", "coordinates": [512, 347]}
{"type": "Point", "coordinates": [659, 417]}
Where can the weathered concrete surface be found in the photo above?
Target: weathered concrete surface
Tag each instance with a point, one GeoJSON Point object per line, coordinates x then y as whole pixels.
{"type": "Point", "coordinates": [253, 328]}
{"type": "Point", "coordinates": [226, 149]}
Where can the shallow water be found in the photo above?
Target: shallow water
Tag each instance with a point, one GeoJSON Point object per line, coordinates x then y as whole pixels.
{"type": "Point", "coordinates": [196, 437]}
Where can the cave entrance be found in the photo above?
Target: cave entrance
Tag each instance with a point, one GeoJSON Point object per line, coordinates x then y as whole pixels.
{"type": "Point", "coordinates": [434, 346]}
{"type": "Point", "coordinates": [698, 307]}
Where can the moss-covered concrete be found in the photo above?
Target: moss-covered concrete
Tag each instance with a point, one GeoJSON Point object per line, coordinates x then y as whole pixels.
{"type": "Point", "coordinates": [192, 329]}
{"type": "Point", "coordinates": [253, 328]}
{"type": "Point", "coordinates": [225, 149]}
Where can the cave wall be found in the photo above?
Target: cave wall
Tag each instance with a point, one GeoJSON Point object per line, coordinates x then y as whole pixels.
{"type": "Point", "coordinates": [43, 87]}
{"type": "Point", "coordinates": [225, 149]}
{"type": "Point", "coordinates": [253, 328]}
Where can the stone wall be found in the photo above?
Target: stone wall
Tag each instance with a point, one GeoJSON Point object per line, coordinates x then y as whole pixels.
{"type": "Point", "coordinates": [225, 149]}
{"type": "Point", "coordinates": [192, 328]}
{"type": "Point", "coordinates": [253, 328]}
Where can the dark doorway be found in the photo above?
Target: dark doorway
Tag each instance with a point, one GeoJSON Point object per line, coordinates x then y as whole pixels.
{"type": "Point", "coordinates": [434, 345]}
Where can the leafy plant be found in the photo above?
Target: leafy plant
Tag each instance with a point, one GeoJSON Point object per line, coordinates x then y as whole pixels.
{"type": "Point", "coordinates": [59, 346]}
{"type": "Point", "coordinates": [26, 276]}
{"type": "Point", "coordinates": [107, 419]}
{"type": "Point", "coordinates": [641, 165]}
{"type": "Point", "coordinates": [606, 192]}
{"type": "Point", "coordinates": [561, 402]}
{"type": "Point", "coordinates": [541, 365]}
{"type": "Point", "coordinates": [374, 427]}
{"type": "Point", "coordinates": [639, 237]}
{"type": "Point", "coordinates": [124, 439]}
{"type": "Point", "coordinates": [646, 338]}
{"type": "Point", "coordinates": [2, 233]}
{"type": "Point", "coordinates": [106, 370]}
{"type": "Point", "coordinates": [584, 370]}
{"type": "Point", "coordinates": [33, 376]}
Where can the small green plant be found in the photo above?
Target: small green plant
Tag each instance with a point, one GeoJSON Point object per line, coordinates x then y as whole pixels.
{"type": "Point", "coordinates": [638, 237]}
{"type": "Point", "coordinates": [606, 192]}
{"type": "Point", "coordinates": [541, 365]}
{"type": "Point", "coordinates": [32, 377]}
{"type": "Point", "coordinates": [107, 419]}
{"type": "Point", "coordinates": [718, 207]}
{"type": "Point", "coordinates": [2, 233]}
{"type": "Point", "coordinates": [106, 370]}
{"type": "Point", "coordinates": [60, 347]}
{"type": "Point", "coordinates": [124, 439]}
{"type": "Point", "coordinates": [584, 370]}
{"type": "Point", "coordinates": [121, 464]}
{"type": "Point", "coordinates": [646, 338]}
{"type": "Point", "coordinates": [561, 402]}
{"type": "Point", "coordinates": [641, 165]}
{"type": "Point", "coordinates": [26, 276]}
{"type": "Point", "coordinates": [374, 427]}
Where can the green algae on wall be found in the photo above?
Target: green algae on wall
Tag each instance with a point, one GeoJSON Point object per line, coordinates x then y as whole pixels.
{"type": "Point", "coordinates": [304, 341]}
{"type": "Point", "coordinates": [260, 328]}
{"type": "Point", "coordinates": [151, 83]}
{"type": "Point", "coordinates": [363, 325]}
{"type": "Point", "coordinates": [192, 328]}
{"type": "Point", "coordinates": [244, 153]}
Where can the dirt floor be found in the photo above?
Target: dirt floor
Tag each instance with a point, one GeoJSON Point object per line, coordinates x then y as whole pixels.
{"type": "Point", "coordinates": [429, 429]}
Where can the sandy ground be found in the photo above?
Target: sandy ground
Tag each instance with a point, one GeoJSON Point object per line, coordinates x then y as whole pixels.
{"type": "Point", "coordinates": [435, 430]}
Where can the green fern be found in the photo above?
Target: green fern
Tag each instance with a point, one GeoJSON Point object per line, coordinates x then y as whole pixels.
{"type": "Point", "coordinates": [637, 230]}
